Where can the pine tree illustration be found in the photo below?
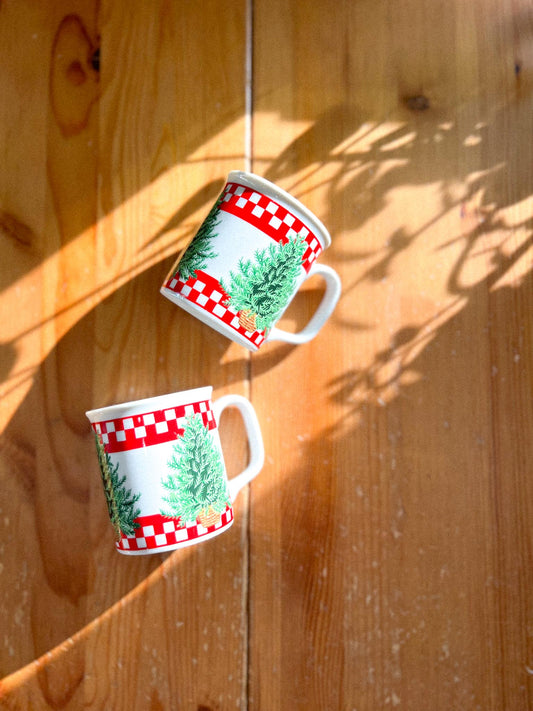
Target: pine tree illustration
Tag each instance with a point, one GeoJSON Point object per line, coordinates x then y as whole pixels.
{"type": "Point", "coordinates": [196, 486]}
{"type": "Point", "coordinates": [120, 501]}
{"type": "Point", "coordinates": [200, 250]}
{"type": "Point", "coordinates": [261, 288]}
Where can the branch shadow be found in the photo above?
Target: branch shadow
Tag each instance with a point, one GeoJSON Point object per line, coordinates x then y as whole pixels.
{"type": "Point", "coordinates": [391, 550]}
{"type": "Point", "coordinates": [49, 456]}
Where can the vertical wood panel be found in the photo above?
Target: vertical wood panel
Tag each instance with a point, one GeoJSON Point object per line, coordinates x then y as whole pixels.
{"type": "Point", "coordinates": [138, 141]}
{"type": "Point", "coordinates": [389, 528]}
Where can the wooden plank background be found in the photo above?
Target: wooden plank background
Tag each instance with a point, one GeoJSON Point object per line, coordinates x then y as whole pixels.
{"type": "Point", "coordinates": [383, 558]}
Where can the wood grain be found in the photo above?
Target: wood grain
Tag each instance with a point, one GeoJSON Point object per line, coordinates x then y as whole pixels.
{"type": "Point", "coordinates": [383, 557]}
{"type": "Point", "coordinates": [137, 146]}
{"type": "Point", "coordinates": [389, 528]}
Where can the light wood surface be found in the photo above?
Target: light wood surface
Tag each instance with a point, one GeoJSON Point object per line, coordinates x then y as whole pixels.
{"type": "Point", "coordinates": [383, 557]}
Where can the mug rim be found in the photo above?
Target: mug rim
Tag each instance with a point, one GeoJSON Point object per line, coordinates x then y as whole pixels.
{"type": "Point", "coordinates": [156, 402]}
{"type": "Point", "coordinates": [251, 180]}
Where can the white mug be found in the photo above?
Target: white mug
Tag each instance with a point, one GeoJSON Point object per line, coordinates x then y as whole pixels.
{"type": "Point", "coordinates": [250, 256]}
{"type": "Point", "coordinates": [163, 469]}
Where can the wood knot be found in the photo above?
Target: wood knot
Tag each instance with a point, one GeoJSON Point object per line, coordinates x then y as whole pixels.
{"type": "Point", "coordinates": [75, 73]}
{"type": "Point", "coordinates": [12, 227]}
{"type": "Point", "coordinates": [417, 103]}
{"type": "Point", "coordinates": [74, 76]}
{"type": "Point", "coordinates": [95, 60]}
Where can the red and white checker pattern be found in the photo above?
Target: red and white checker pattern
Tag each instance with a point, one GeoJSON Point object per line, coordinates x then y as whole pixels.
{"type": "Point", "coordinates": [126, 433]}
{"type": "Point", "coordinates": [158, 531]}
{"type": "Point", "coordinates": [270, 217]}
{"type": "Point", "coordinates": [206, 291]}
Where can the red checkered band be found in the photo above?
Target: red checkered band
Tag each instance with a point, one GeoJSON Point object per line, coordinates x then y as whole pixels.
{"type": "Point", "coordinates": [270, 217]}
{"type": "Point", "coordinates": [156, 427]}
{"type": "Point", "coordinates": [158, 531]}
{"type": "Point", "coordinates": [206, 291]}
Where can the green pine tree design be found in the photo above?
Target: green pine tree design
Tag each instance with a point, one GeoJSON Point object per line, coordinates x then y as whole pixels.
{"type": "Point", "coordinates": [197, 484]}
{"type": "Point", "coordinates": [200, 250]}
{"type": "Point", "coordinates": [261, 288]}
{"type": "Point", "coordinates": [120, 501]}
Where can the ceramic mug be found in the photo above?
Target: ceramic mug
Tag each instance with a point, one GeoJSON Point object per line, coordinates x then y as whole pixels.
{"type": "Point", "coordinates": [163, 469]}
{"type": "Point", "coordinates": [250, 256]}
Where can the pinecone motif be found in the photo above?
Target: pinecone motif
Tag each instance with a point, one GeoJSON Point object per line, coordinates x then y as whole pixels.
{"type": "Point", "coordinates": [247, 320]}
{"type": "Point", "coordinates": [208, 517]}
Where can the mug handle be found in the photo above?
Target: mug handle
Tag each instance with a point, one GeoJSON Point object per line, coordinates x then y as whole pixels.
{"type": "Point", "coordinates": [321, 315]}
{"type": "Point", "coordinates": [255, 440]}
